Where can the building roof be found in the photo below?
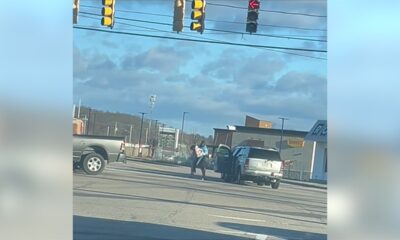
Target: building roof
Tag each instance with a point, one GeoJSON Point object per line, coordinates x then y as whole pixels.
{"type": "Point", "coordinates": [296, 133]}
{"type": "Point", "coordinates": [318, 132]}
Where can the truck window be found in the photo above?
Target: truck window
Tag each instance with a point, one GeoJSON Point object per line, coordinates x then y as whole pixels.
{"type": "Point", "coordinates": [264, 154]}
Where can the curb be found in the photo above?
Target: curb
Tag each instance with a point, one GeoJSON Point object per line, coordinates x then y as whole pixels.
{"type": "Point", "coordinates": [304, 184]}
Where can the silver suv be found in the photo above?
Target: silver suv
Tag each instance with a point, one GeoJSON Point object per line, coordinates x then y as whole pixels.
{"type": "Point", "coordinates": [260, 165]}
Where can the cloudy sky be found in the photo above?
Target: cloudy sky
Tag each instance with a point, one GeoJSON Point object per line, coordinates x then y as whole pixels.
{"type": "Point", "coordinates": [217, 84]}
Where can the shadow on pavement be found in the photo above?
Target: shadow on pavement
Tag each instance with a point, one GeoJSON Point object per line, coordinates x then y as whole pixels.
{"type": "Point", "coordinates": [275, 232]}
{"type": "Point", "coordinates": [86, 228]}
{"type": "Point", "coordinates": [174, 174]}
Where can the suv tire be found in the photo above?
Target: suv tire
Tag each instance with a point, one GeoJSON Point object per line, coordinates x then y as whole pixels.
{"type": "Point", "coordinates": [275, 185]}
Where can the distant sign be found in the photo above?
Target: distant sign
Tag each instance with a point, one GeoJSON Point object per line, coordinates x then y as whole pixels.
{"type": "Point", "coordinates": [168, 130]}
{"type": "Point", "coordinates": [318, 132]}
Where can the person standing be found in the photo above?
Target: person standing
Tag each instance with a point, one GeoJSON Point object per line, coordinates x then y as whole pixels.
{"type": "Point", "coordinates": [195, 154]}
{"type": "Point", "coordinates": [202, 159]}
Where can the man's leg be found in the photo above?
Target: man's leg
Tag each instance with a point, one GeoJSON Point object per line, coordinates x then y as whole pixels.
{"type": "Point", "coordinates": [203, 172]}
{"type": "Point", "coordinates": [193, 168]}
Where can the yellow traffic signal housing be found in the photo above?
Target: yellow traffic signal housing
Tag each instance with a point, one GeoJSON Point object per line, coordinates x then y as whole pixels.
{"type": "Point", "coordinates": [108, 12]}
{"type": "Point", "coordinates": [198, 4]}
{"type": "Point", "coordinates": [198, 13]}
{"type": "Point", "coordinates": [75, 11]}
{"type": "Point", "coordinates": [179, 13]}
{"type": "Point", "coordinates": [195, 26]}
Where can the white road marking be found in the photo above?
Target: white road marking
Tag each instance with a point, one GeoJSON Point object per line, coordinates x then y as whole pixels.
{"type": "Point", "coordinates": [256, 236]}
{"type": "Point", "coordinates": [237, 218]}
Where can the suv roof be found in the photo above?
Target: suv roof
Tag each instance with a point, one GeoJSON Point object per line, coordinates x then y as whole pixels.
{"type": "Point", "coordinates": [263, 148]}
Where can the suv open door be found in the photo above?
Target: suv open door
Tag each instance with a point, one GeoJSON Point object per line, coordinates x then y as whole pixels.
{"type": "Point", "coordinates": [223, 160]}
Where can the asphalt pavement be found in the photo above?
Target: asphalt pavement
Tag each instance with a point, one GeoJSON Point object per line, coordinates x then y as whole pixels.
{"type": "Point", "coordinates": [150, 201]}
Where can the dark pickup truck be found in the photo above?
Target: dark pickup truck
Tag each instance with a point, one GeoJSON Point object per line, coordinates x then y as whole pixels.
{"type": "Point", "coordinates": [91, 152]}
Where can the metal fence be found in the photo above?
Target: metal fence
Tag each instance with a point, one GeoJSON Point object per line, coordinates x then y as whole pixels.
{"type": "Point", "coordinates": [297, 175]}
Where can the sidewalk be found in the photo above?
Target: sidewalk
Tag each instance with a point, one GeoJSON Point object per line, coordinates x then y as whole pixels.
{"type": "Point", "coordinates": [305, 184]}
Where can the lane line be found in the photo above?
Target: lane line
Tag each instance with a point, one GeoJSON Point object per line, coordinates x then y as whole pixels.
{"type": "Point", "coordinates": [256, 236]}
{"type": "Point", "coordinates": [237, 218]}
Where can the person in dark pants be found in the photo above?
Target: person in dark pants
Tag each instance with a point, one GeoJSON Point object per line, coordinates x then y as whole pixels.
{"type": "Point", "coordinates": [199, 159]}
{"type": "Point", "coordinates": [202, 159]}
{"type": "Point", "coordinates": [193, 158]}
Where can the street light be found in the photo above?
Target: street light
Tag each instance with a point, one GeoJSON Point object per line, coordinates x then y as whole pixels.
{"type": "Point", "coordinates": [183, 123]}
{"type": "Point", "coordinates": [283, 122]}
{"type": "Point", "coordinates": [140, 134]}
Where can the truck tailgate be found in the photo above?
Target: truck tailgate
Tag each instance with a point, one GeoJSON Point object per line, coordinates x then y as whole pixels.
{"type": "Point", "coordinates": [265, 165]}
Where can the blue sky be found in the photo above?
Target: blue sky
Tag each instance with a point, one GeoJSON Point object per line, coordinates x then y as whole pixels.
{"type": "Point", "coordinates": [217, 84]}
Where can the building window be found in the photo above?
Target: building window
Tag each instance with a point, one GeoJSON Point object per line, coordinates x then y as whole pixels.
{"type": "Point", "coordinates": [326, 160]}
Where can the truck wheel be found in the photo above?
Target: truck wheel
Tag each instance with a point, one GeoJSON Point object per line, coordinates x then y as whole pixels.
{"type": "Point", "coordinates": [260, 183]}
{"type": "Point", "coordinates": [93, 164]}
{"type": "Point", "coordinates": [275, 185]}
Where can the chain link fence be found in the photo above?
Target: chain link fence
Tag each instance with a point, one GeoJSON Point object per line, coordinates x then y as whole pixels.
{"type": "Point", "coordinates": [297, 175]}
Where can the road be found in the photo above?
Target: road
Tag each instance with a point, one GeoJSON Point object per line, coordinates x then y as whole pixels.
{"type": "Point", "coordinates": [150, 201]}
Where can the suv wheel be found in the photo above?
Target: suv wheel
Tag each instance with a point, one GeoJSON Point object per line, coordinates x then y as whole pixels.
{"type": "Point", "coordinates": [275, 185]}
{"type": "Point", "coordinates": [93, 163]}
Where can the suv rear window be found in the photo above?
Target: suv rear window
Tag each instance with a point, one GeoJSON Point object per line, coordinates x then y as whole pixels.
{"type": "Point", "coordinates": [264, 154]}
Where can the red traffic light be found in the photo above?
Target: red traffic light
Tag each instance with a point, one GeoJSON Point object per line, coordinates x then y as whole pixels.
{"type": "Point", "coordinates": [254, 4]}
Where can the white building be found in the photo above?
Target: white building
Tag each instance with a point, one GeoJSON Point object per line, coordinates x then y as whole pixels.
{"type": "Point", "coordinates": [319, 161]}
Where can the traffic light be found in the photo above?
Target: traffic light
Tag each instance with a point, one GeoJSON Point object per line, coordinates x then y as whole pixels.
{"type": "Point", "coordinates": [198, 13]}
{"type": "Point", "coordinates": [179, 12]}
{"type": "Point", "coordinates": [75, 10]}
{"type": "Point", "coordinates": [252, 16]}
{"type": "Point", "coordinates": [108, 12]}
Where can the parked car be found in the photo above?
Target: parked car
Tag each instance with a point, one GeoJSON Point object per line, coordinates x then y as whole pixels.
{"type": "Point", "coordinates": [260, 165]}
{"type": "Point", "coordinates": [92, 152]}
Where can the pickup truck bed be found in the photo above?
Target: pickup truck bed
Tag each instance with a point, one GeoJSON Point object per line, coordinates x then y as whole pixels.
{"type": "Point", "coordinates": [91, 152]}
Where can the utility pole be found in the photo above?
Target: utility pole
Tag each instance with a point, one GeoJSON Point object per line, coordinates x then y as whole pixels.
{"type": "Point", "coordinates": [88, 122]}
{"type": "Point", "coordinates": [147, 135]}
{"type": "Point", "coordinates": [152, 102]}
{"type": "Point", "coordinates": [94, 123]}
{"type": "Point", "coordinates": [162, 142]}
{"type": "Point", "coordinates": [115, 129]}
{"type": "Point", "coordinates": [140, 134]}
{"type": "Point", "coordinates": [155, 131]}
{"type": "Point", "coordinates": [183, 123]}
{"type": "Point", "coordinates": [130, 134]}
{"type": "Point", "coordinates": [79, 109]}
{"type": "Point", "coordinates": [283, 122]}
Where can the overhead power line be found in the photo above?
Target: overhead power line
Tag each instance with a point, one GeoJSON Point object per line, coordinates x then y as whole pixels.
{"type": "Point", "coordinates": [211, 20]}
{"type": "Point", "coordinates": [271, 11]}
{"type": "Point", "coordinates": [216, 30]}
{"type": "Point", "coordinates": [159, 30]}
{"type": "Point", "coordinates": [203, 41]}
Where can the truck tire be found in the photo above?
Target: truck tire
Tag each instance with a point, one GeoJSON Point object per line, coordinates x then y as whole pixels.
{"type": "Point", "coordinates": [93, 164]}
{"type": "Point", "coordinates": [275, 185]}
